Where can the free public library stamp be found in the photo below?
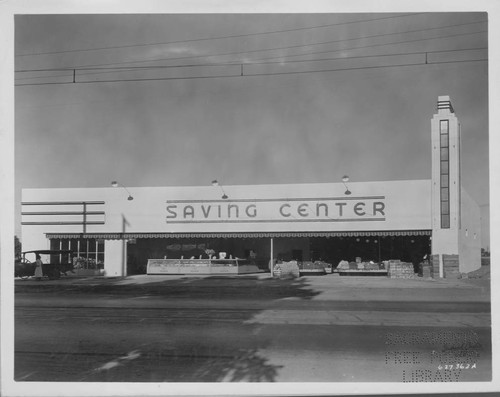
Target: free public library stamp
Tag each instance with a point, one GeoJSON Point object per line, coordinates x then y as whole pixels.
{"type": "Point", "coordinates": [439, 355]}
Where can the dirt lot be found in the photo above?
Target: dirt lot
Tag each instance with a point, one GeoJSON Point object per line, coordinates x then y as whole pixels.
{"type": "Point", "coordinates": [483, 272]}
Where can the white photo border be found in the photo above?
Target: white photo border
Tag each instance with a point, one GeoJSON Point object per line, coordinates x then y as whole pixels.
{"type": "Point", "coordinates": [10, 8]}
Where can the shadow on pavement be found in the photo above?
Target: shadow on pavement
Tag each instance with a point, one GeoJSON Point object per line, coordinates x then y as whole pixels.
{"type": "Point", "coordinates": [185, 343]}
{"type": "Point", "coordinates": [254, 287]}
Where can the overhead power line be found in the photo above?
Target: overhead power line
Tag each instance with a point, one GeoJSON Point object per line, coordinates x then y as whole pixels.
{"type": "Point", "coordinates": [304, 45]}
{"type": "Point", "coordinates": [281, 58]}
{"type": "Point", "coordinates": [218, 37]}
{"type": "Point", "coordinates": [378, 35]}
{"type": "Point", "coordinates": [241, 74]}
{"type": "Point", "coordinates": [109, 69]}
{"type": "Point", "coordinates": [371, 46]}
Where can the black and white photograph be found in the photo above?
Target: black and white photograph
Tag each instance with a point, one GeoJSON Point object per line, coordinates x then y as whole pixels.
{"type": "Point", "coordinates": [218, 199]}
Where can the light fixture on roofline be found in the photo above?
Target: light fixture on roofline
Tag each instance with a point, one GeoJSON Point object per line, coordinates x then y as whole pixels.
{"type": "Point", "coordinates": [116, 184]}
{"type": "Point", "coordinates": [345, 179]}
{"type": "Point", "coordinates": [215, 182]}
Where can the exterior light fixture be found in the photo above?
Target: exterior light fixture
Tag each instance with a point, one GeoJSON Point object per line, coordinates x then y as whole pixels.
{"type": "Point", "coordinates": [216, 183]}
{"type": "Point", "coordinates": [116, 184]}
{"type": "Point", "coordinates": [345, 179]}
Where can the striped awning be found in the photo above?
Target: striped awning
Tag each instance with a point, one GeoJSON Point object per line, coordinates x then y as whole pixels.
{"type": "Point", "coordinates": [120, 236]}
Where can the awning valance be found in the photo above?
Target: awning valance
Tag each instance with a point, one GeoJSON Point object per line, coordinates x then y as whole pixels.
{"type": "Point", "coordinates": [127, 236]}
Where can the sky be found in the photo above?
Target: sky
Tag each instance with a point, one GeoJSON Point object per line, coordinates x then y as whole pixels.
{"type": "Point", "coordinates": [245, 99]}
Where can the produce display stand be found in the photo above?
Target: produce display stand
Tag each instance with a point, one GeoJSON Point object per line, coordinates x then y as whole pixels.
{"type": "Point", "coordinates": [201, 266]}
{"type": "Point", "coordinates": [314, 268]}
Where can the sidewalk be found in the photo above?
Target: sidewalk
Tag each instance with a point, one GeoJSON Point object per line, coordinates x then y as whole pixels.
{"type": "Point", "coordinates": [372, 318]}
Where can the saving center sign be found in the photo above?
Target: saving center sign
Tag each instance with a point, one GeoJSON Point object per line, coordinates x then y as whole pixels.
{"type": "Point", "coordinates": [330, 209]}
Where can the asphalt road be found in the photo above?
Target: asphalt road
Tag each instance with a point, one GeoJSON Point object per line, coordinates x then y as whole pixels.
{"type": "Point", "coordinates": [251, 330]}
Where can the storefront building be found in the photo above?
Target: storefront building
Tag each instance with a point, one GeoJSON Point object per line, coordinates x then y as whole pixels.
{"type": "Point", "coordinates": [123, 228]}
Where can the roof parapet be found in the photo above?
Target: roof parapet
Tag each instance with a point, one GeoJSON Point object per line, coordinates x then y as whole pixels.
{"type": "Point", "coordinates": [444, 104]}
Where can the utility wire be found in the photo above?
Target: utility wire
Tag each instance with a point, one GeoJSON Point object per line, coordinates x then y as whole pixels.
{"type": "Point", "coordinates": [94, 67]}
{"type": "Point", "coordinates": [363, 56]}
{"type": "Point", "coordinates": [44, 77]}
{"type": "Point", "coordinates": [368, 67]}
{"type": "Point", "coordinates": [425, 62]}
{"type": "Point", "coordinates": [284, 57]}
{"type": "Point", "coordinates": [103, 70]}
{"type": "Point", "coordinates": [218, 37]}
{"type": "Point", "coordinates": [304, 45]}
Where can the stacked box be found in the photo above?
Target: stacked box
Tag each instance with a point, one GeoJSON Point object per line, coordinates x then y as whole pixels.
{"type": "Point", "coordinates": [426, 270]}
{"type": "Point", "coordinates": [407, 270]}
{"type": "Point", "coordinates": [393, 266]}
{"type": "Point", "coordinates": [435, 266]}
{"type": "Point", "coordinates": [451, 266]}
{"type": "Point", "coordinates": [398, 269]}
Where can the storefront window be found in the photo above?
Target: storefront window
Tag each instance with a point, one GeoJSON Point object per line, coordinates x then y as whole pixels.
{"type": "Point", "coordinates": [82, 247]}
{"type": "Point", "coordinates": [55, 244]}
{"type": "Point", "coordinates": [90, 249]}
{"type": "Point", "coordinates": [73, 245]}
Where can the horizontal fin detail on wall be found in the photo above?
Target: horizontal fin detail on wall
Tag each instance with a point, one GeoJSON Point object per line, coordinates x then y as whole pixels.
{"type": "Point", "coordinates": [62, 213]}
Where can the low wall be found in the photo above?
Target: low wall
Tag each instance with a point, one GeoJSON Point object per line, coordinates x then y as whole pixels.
{"type": "Point", "coordinates": [434, 266]}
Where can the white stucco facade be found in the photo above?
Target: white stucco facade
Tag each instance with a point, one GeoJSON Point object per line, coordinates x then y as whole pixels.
{"type": "Point", "coordinates": [320, 209]}
{"type": "Point", "coordinates": [387, 205]}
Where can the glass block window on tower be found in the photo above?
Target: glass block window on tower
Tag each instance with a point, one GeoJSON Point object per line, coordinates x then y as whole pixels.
{"type": "Point", "coordinates": [445, 173]}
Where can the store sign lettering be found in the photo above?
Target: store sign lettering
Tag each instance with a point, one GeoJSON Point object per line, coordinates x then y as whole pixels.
{"type": "Point", "coordinates": [188, 211]}
{"type": "Point", "coordinates": [208, 211]}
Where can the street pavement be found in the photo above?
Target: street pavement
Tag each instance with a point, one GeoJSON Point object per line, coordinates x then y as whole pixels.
{"type": "Point", "coordinates": [252, 328]}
